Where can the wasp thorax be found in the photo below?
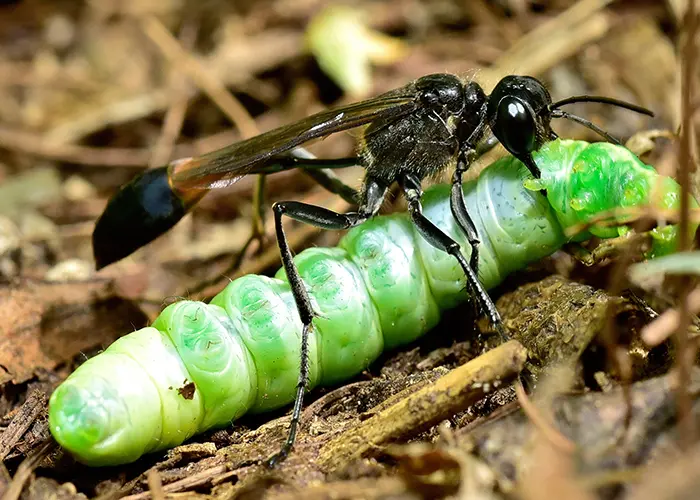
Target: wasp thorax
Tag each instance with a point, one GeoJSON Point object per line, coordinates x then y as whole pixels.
{"type": "Point", "coordinates": [472, 115]}
{"type": "Point", "coordinates": [443, 91]}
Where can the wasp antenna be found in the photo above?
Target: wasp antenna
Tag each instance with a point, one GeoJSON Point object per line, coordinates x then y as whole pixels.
{"type": "Point", "coordinates": [586, 123]}
{"type": "Point", "coordinates": [604, 100]}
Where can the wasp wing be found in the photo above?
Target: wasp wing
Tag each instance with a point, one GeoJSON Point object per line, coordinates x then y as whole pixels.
{"type": "Point", "coordinates": [225, 166]}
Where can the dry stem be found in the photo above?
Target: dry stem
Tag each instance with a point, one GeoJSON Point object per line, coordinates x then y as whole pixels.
{"type": "Point", "coordinates": [450, 394]}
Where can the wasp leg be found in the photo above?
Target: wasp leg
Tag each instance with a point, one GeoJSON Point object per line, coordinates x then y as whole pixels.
{"type": "Point", "coordinates": [457, 204]}
{"type": "Point", "coordinates": [373, 196]}
{"type": "Point", "coordinates": [257, 227]}
{"type": "Point", "coordinates": [325, 176]}
{"type": "Point", "coordinates": [465, 222]}
{"type": "Point", "coordinates": [318, 169]}
{"type": "Point", "coordinates": [300, 158]}
{"type": "Point", "coordinates": [459, 211]}
{"type": "Point", "coordinates": [436, 237]}
{"type": "Point", "coordinates": [486, 145]}
{"type": "Point", "coordinates": [257, 233]}
{"type": "Point", "coordinates": [331, 182]}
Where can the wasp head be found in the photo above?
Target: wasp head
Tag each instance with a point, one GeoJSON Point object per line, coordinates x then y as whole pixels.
{"type": "Point", "coordinates": [519, 115]}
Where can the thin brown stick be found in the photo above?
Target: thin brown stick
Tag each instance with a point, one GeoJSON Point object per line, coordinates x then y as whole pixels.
{"type": "Point", "coordinates": [574, 28]}
{"type": "Point", "coordinates": [269, 257]}
{"type": "Point", "coordinates": [668, 322]}
{"type": "Point", "coordinates": [24, 74]}
{"type": "Point", "coordinates": [124, 110]}
{"type": "Point", "coordinates": [211, 85]}
{"type": "Point", "coordinates": [426, 407]}
{"type": "Point", "coordinates": [687, 429]}
{"type": "Point", "coordinates": [216, 91]}
{"type": "Point", "coordinates": [155, 485]}
{"type": "Point", "coordinates": [546, 428]}
{"type": "Point", "coordinates": [37, 145]}
{"type": "Point", "coordinates": [616, 356]}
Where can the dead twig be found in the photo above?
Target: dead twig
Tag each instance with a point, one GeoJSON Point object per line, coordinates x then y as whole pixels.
{"type": "Point", "coordinates": [217, 92]}
{"type": "Point", "coordinates": [175, 116]}
{"type": "Point", "coordinates": [268, 258]}
{"type": "Point", "coordinates": [668, 322]}
{"type": "Point", "coordinates": [211, 85]}
{"type": "Point", "coordinates": [124, 110]}
{"type": "Point", "coordinates": [687, 429]}
{"type": "Point", "coordinates": [155, 485]}
{"type": "Point", "coordinates": [546, 428]}
{"type": "Point", "coordinates": [448, 395]}
{"type": "Point", "coordinates": [580, 25]}
{"type": "Point", "coordinates": [37, 145]}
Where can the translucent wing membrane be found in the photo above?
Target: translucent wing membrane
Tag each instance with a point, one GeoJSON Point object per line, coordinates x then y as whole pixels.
{"type": "Point", "coordinates": [225, 166]}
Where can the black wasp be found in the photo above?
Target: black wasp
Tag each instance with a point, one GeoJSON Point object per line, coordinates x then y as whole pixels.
{"type": "Point", "coordinates": [411, 133]}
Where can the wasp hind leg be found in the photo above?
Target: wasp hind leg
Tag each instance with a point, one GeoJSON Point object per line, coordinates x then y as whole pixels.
{"type": "Point", "coordinates": [332, 183]}
{"type": "Point", "coordinates": [325, 219]}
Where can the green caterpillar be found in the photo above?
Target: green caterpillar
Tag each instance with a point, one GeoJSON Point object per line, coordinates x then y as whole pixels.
{"type": "Point", "coordinates": [202, 366]}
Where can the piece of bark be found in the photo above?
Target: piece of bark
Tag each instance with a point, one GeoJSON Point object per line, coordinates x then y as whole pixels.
{"type": "Point", "coordinates": [23, 419]}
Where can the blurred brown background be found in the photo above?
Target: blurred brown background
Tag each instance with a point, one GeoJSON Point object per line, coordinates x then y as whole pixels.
{"type": "Point", "coordinates": [93, 92]}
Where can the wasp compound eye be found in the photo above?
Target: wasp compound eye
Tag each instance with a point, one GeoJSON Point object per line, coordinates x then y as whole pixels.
{"type": "Point", "coordinates": [515, 126]}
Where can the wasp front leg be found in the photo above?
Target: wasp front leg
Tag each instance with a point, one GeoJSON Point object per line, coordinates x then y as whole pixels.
{"type": "Point", "coordinates": [459, 208]}
{"type": "Point", "coordinates": [465, 222]}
